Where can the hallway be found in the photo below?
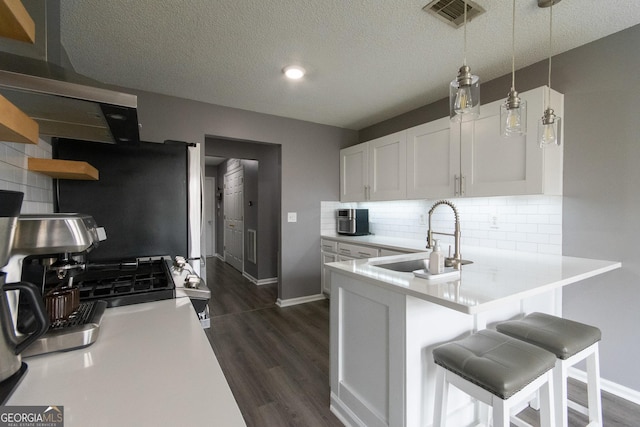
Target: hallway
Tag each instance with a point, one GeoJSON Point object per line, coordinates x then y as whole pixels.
{"type": "Point", "coordinates": [276, 360]}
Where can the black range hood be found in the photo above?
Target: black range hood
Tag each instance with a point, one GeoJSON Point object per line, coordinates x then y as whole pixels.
{"type": "Point", "coordinates": [67, 104]}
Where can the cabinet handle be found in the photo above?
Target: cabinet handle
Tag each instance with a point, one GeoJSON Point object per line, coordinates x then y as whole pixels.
{"type": "Point", "coordinates": [365, 254]}
{"type": "Point", "coordinates": [456, 185]}
{"type": "Point", "coordinates": [463, 184]}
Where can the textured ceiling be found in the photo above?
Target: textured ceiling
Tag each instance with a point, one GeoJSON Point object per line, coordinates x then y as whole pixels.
{"type": "Point", "coordinates": [367, 60]}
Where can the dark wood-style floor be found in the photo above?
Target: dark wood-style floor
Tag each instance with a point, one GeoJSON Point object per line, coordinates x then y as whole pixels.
{"type": "Point", "coordinates": [276, 360]}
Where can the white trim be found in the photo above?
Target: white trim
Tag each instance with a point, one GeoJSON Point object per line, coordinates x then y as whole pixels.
{"type": "Point", "coordinates": [616, 389]}
{"type": "Point", "coordinates": [219, 256]}
{"type": "Point", "coordinates": [299, 300]}
{"type": "Point", "coordinates": [260, 282]}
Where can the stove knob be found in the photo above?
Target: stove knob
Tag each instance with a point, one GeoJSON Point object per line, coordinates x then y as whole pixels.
{"type": "Point", "coordinates": [179, 262]}
{"type": "Point", "coordinates": [192, 281]}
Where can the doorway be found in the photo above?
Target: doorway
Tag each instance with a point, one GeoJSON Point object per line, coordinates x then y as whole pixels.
{"type": "Point", "coordinates": [210, 216]}
{"type": "Point", "coordinates": [234, 218]}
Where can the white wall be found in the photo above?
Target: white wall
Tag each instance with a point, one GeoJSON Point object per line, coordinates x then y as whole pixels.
{"type": "Point", "coordinates": [14, 176]}
{"type": "Point", "coordinates": [521, 223]}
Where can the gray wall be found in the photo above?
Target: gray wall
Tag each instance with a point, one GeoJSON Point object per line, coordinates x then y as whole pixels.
{"type": "Point", "coordinates": [309, 169]}
{"type": "Point", "coordinates": [601, 201]}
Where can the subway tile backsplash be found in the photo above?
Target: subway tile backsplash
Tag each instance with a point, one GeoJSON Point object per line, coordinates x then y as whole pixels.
{"type": "Point", "coordinates": [14, 175]}
{"type": "Point", "coordinates": [521, 223]}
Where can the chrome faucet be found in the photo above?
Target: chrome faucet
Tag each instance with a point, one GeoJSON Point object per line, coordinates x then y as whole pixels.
{"type": "Point", "coordinates": [457, 259]}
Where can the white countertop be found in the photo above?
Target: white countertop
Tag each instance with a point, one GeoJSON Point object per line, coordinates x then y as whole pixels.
{"type": "Point", "coordinates": [152, 365]}
{"type": "Point", "coordinates": [392, 243]}
{"type": "Point", "coordinates": [496, 277]}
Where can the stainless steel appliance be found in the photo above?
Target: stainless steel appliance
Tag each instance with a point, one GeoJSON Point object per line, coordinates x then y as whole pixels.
{"type": "Point", "coordinates": [58, 243]}
{"type": "Point", "coordinates": [188, 284]}
{"type": "Point", "coordinates": [12, 369]}
{"type": "Point", "coordinates": [353, 222]}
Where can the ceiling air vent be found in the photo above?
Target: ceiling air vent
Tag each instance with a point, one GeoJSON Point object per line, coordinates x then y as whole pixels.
{"type": "Point", "coordinates": [452, 11]}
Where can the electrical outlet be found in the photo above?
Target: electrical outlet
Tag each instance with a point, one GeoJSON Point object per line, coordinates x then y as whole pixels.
{"type": "Point", "coordinates": [292, 217]}
{"type": "Point", "coordinates": [493, 222]}
{"type": "Point", "coordinates": [423, 219]}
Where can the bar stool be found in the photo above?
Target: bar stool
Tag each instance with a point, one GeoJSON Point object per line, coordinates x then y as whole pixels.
{"type": "Point", "coordinates": [571, 342]}
{"type": "Point", "coordinates": [497, 370]}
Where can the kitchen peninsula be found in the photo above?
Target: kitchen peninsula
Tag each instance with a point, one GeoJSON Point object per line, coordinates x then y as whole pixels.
{"type": "Point", "coordinates": [151, 365]}
{"type": "Point", "coordinates": [384, 324]}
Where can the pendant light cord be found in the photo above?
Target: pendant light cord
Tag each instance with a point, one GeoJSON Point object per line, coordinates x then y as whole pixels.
{"type": "Point", "coordinates": [550, 52]}
{"type": "Point", "coordinates": [513, 48]}
{"type": "Point", "coordinates": [464, 61]}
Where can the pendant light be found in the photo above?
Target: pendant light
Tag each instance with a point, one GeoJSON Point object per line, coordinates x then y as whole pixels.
{"type": "Point", "coordinates": [548, 124]}
{"type": "Point", "coordinates": [513, 112]}
{"type": "Point", "coordinates": [464, 90]}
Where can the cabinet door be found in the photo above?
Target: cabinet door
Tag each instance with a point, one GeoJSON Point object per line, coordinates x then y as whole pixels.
{"type": "Point", "coordinates": [493, 165]}
{"type": "Point", "coordinates": [433, 160]}
{"type": "Point", "coordinates": [387, 167]}
{"type": "Point", "coordinates": [354, 173]}
{"type": "Point", "coordinates": [326, 277]}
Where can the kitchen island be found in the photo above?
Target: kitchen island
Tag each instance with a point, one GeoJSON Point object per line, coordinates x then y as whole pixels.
{"type": "Point", "coordinates": [151, 365]}
{"type": "Point", "coordinates": [384, 324]}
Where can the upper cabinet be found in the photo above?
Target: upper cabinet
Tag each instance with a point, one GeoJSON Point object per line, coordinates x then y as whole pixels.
{"type": "Point", "coordinates": [433, 161]}
{"type": "Point", "coordinates": [442, 159]}
{"type": "Point", "coordinates": [493, 165]}
{"type": "Point", "coordinates": [374, 170]}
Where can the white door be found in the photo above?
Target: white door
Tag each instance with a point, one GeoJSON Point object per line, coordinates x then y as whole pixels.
{"type": "Point", "coordinates": [209, 215]}
{"type": "Point", "coordinates": [233, 219]}
{"type": "Point", "coordinates": [433, 160]}
{"type": "Point", "coordinates": [354, 170]}
{"type": "Point", "coordinates": [387, 167]}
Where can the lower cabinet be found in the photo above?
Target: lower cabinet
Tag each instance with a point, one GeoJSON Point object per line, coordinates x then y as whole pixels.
{"type": "Point", "coordinates": [332, 251]}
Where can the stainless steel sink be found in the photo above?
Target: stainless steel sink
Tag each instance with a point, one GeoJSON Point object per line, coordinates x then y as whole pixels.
{"type": "Point", "coordinates": [415, 264]}
{"type": "Point", "coordinates": [404, 266]}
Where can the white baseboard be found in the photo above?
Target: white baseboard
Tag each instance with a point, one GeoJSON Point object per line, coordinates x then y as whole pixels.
{"type": "Point", "coordinates": [299, 300]}
{"type": "Point", "coordinates": [260, 282]}
{"type": "Point", "coordinates": [220, 257]}
{"type": "Point", "coordinates": [616, 389]}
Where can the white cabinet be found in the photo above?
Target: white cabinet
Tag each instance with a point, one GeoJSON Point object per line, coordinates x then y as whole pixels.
{"type": "Point", "coordinates": [496, 166]}
{"type": "Point", "coordinates": [442, 159]}
{"type": "Point", "coordinates": [374, 170]}
{"type": "Point", "coordinates": [471, 159]}
{"type": "Point", "coordinates": [332, 251]}
{"type": "Point", "coordinates": [433, 160]}
{"type": "Point", "coordinates": [354, 173]}
{"type": "Point", "coordinates": [387, 159]}
{"type": "Point", "coordinates": [357, 251]}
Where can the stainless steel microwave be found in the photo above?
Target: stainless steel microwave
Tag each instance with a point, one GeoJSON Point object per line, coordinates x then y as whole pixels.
{"type": "Point", "coordinates": [353, 222]}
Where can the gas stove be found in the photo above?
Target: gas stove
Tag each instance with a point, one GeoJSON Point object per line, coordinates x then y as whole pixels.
{"type": "Point", "coordinates": [114, 284]}
{"type": "Point", "coordinates": [128, 282]}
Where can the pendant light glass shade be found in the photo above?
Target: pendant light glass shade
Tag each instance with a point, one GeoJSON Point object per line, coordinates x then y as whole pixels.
{"type": "Point", "coordinates": [513, 116]}
{"type": "Point", "coordinates": [548, 129]}
{"type": "Point", "coordinates": [464, 90]}
{"type": "Point", "coordinates": [513, 112]}
{"type": "Point", "coordinates": [548, 123]}
{"type": "Point", "coordinates": [464, 96]}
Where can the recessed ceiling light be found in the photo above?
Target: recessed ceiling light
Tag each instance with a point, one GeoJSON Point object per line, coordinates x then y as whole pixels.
{"type": "Point", "coordinates": [293, 72]}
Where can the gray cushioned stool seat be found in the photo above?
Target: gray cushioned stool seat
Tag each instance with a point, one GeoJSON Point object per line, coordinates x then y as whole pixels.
{"type": "Point", "coordinates": [560, 336]}
{"type": "Point", "coordinates": [494, 361]}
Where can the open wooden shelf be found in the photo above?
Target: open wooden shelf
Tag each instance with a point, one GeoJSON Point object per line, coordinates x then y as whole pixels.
{"type": "Point", "coordinates": [15, 22]}
{"type": "Point", "coordinates": [64, 169]}
{"type": "Point", "coordinates": [16, 126]}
